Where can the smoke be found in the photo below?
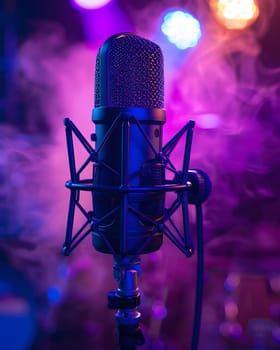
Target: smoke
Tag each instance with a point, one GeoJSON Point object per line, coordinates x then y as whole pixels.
{"type": "Point", "coordinates": [224, 76]}
{"type": "Point", "coordinates": [48, 74]}
{"type": "Point", "coordinates": [53, 81]}
{"type": "Point", "coordinates": [224, 86]}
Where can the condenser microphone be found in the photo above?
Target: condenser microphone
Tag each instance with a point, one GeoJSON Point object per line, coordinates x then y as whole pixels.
{"type": "Point", "coordinates": [129, 101]}
{"type": "Point", "coordinates": [132, 176]}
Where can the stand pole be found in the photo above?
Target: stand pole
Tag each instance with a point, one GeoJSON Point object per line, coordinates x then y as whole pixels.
{"type": "Point", "coordinates": [126, 301]}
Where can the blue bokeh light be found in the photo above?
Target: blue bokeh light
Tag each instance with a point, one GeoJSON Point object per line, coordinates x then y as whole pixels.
{"type": "Point", "coordinates": [181, 29]}
{"type": "Point", "coordinates": [54, 294]}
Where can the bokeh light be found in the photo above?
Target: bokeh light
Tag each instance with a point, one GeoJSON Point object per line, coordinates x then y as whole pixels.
{"type": "Point", "coordinates": [159, 310]}
{"type": "Point", "coordinates": [231, 329]}
{"type": "Point", "coordinates": [232, 282]}
{"type": "Point", "coordinates": [181, 29]}
{"type": "Point", "coordinates": [89, 4]}
{"type": "Point", "coordinates": [54, 294]}
{"type": "Point", "coordinates": [276, 334]}
{"type": "Point", "coordinates": [235, 14]}
{"type": "Point", "coordinates": [207, 120]}
{"type": "Point", "coordinates": [231, 309]}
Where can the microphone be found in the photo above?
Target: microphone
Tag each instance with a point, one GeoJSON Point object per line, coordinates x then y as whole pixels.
{"type": "Point", "coordinates": [129, 94]}
{"type": "Point", "coordinates": [132, 176]}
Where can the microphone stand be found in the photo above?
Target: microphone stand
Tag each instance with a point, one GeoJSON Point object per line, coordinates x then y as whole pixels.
{"type": "Point", "coordinates": [126, 301]}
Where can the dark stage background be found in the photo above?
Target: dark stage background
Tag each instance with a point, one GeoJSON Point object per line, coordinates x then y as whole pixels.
{"type": "Point", "coordinates": [229, 84]}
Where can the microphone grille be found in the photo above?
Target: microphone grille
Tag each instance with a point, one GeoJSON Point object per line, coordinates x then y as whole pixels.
{"type": "Point", "coordinates": [129, 73]}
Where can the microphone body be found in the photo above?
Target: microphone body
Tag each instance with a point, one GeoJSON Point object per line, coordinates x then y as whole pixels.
{"type": "Point", "coordinates": [129, 118]}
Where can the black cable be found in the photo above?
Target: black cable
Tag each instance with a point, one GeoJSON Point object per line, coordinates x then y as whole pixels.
{"type": "Point", "coordinates": [199, 280]}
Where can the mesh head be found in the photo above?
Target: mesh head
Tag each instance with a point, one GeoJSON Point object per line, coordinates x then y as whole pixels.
{"type": "Point", "coordinates": [129, 73]}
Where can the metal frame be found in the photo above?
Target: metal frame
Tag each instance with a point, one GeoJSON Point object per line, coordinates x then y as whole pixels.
{"type": "Point", "coordinates": [180, 185]}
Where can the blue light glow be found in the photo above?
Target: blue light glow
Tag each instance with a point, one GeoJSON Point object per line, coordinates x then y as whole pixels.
{"type": "Point", "coordinates": [181, 29]}
{"type": "Point", "coordinates": [54, 294]}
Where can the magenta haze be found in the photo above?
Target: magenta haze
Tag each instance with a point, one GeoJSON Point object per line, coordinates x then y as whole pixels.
{"type": "Point", "coordinates": [223, 77]}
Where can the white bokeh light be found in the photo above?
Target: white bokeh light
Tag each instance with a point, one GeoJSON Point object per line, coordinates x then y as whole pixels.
{"type": "Point", "coordinates": [181, 29]}
{"type": "Point", "coordinates": [89, 4]}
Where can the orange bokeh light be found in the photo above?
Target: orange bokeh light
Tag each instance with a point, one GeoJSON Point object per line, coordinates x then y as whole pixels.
{"type": "Point", "coordinates": [235, 14]}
